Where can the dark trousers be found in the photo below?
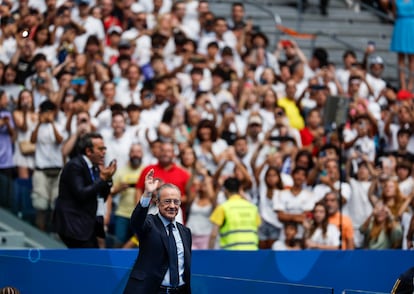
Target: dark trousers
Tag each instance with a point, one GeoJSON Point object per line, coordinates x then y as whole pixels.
{"type": "Point", "coordinates": [92, 242]}
{"type": "Point", "coordinates": [6, 187]}
{"type": "Point", "coordinates": [74, 243]}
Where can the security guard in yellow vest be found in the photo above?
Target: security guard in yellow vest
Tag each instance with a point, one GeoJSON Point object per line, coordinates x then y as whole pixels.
{"type": "Point", "coordinates": [237, 220]}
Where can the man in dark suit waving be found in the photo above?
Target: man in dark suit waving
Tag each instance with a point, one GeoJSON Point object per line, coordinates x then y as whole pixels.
{"type": "Point", "coordinates": [83, 188]}
{"type": "Point", "coordinates": [164, 260]}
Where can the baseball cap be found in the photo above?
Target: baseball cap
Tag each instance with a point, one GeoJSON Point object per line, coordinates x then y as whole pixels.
{"type": "Point", "coordinates": [404, 95]}
{"type": "Point", "coordinates": [137, 8]}
{"type": "Point", "coordinates": [124, 44]}
{"type": "Point", "coordinates": [115, 29]}
{"type": "Point", "coordinates": [376, 59]}
{"type": "Point", "coordinates": [255, 119]}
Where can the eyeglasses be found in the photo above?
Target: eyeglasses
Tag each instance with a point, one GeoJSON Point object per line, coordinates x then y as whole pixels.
{"type": "Point", "coordinates": [169, 201]}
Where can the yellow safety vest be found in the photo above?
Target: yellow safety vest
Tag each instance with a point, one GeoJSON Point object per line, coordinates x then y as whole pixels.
{"type": "Point", "coordinates": [239, 231]}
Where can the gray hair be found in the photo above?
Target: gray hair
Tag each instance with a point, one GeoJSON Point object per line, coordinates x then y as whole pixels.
{"type": "Point", "coordinates": [166, 186]}
{"type": "Point", "coordinates": [336, 194]}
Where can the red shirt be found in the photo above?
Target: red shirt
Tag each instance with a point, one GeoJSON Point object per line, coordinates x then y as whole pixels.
{"type": "Point", "coordinates": [175, 175]}
{"type": "Point", "coordinates": [306, 136]}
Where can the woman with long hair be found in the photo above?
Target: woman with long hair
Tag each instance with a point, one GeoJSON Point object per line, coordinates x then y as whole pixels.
{"type": "Point", "coordinates": [391, 196]}
{"type": "Point", "coordinates": [9, 85]}
{"type": "Point", "coordinates": [201, 203]}
{"type": "Point", "coordinates": [207, 145]}
{"type": "Point", "coordinates": [319, 233]}
{"type": "Point", "coordinates": [44, 40]}
{"type": "Point", "coordinates": [381, 230]}
{"type": "Point", "coordinates": [25, 119]}
{"type": "Point", "coordinates": [268, 107]}
{"type": "Point", "coordinates": [269, 189]}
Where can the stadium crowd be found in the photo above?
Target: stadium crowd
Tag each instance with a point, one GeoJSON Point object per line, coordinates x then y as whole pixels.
{"type": "Point", "coordinates": [170, 82]}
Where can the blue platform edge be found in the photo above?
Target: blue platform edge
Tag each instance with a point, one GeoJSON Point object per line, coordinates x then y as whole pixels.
{"type": "Point", "coordinates": [107, 270]}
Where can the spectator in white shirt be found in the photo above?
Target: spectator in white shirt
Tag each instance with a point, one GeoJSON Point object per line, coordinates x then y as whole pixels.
{"type": "Point", "coordinates": [117, 140]}
{"type": "Point", "coordinates": [222, 36]}
{"type": "Point", "coordinates": [92, 25]}
{"type": "Point", "coordinates": [349, 60]}
{"type": "Point", "coordinates": [128, 91]}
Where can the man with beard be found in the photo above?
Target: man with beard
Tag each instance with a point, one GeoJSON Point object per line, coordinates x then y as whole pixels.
{"type": "Point", "coordinates": [167, 171]}
{"type": "Point", "coordinates": [124, 186]}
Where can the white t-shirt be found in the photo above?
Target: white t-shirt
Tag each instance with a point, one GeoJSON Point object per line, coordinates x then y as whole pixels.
{"type": "Point", "coordinates": [320, 190]}
{"type": "Point", "coordinates": [289, 203]}
{"type": "Point", "coordinates": [407, 186]}
{"type": "Point", "coordinates": [48, 153]}
{"type": "Point", "coordinates": [330, 239]}
{"type": "Point", "coordinates": [359, 207]}
{"type": "Point", "coordinates": [117, 148]}
{"type": "Point", "coordinates": [266, 210]}
{"type": "Point", "coordinates": [126, 96]}
{"type": "Point", "coordinates": [405, 223]}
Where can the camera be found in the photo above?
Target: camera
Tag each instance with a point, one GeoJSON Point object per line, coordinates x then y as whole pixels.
{"type": "Point", "coordinates": [197, 59]}
{"type": "Point", "coordinates": [39, 81]}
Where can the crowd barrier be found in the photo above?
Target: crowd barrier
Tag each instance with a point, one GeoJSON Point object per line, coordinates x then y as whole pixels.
{"type": "Point", "coordinates": [106, 271]}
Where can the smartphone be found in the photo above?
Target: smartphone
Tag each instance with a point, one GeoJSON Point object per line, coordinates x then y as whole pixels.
{"type": "Point", "coordinates": [317, 87]}
{"type": "Point", "coordinates": [113, 161]}
{"type": "Point", "coordinates": [286, 43]}
{"type": "Point", "coordinates": [78, 81]}
{"type": "Point", "coordinates": [197, 59]}
{"type": "Point", "coordinates": [371, 44]}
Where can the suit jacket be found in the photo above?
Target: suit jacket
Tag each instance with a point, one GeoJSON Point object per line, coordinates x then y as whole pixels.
{"type": "Point", "coordinates": [75, 209]}
{"type": "Point", "coordinates": [152, 262]}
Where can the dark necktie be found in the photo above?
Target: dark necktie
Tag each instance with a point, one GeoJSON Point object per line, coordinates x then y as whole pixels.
{"type": "Point", "coordinates": [173, 256]}
{"type": "Point", "coordinates": [95, 173]}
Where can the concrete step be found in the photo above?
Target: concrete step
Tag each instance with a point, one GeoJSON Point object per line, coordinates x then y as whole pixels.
{"type": "Point", "coordinates": [14, 229]}
{"type": "Point", "coordinates": [342, 29]}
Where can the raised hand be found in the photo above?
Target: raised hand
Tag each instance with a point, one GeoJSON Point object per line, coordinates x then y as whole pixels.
{"type": "Point", "coordinates": [107, 172]}
{"type": "Point", "coordinates": [150, 183]}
